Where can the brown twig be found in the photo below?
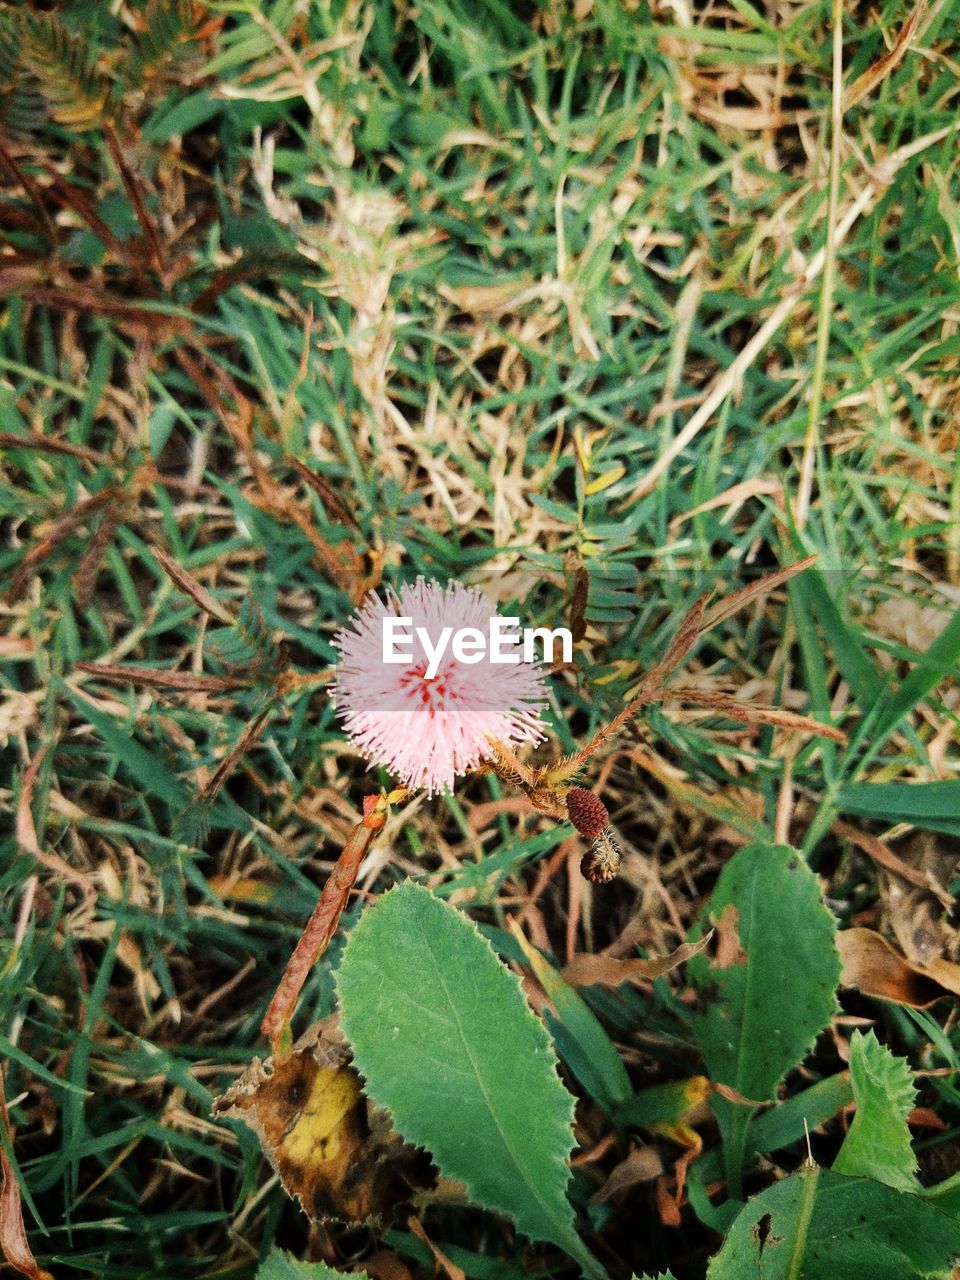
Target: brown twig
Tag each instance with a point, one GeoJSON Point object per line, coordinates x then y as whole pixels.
{"type": "Point", "coordinates": [315, 938]}
{"type": "Point", "coordinates": [182, 681]}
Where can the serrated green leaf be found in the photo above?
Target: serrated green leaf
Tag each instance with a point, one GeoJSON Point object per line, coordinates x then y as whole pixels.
{"type": "Point", "coordinates": [448, 1045]}
{"type": "Point", "coordinates": [878, 1142]}
{"type": "Point", "coordinates": [761, 1013]}
{"type": "Point", "coordinates": [762, 1007]}
{"type": "Point", "coordinates": [280, 1265]}
{"type": "Point", "coordinates": [819, 1225]}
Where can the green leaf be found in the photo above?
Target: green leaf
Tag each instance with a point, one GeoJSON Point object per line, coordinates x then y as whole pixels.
{"type": "Point", "coordinates": [143, 765]}
{"type": "Point", "coordinates": [770, 989]}
{"type": "Point", "coordinates": [878, 1142]}
{"type": "Point", "coordinates": [932, 805]}
{"type": "Point", "coordinates": [280, 1265]}
{"type": "Point", "coordinates": [579, 1035]}
{"type": "Point", "coordinates": [786, 1123]}
{"type": "Point", "coordinates": [442, 1033]}
{"type": "Point", "coordinates": [762, 1012]}
{"type": "Point", "coordinates": [937, 664]}
{"type": "Point", "coordinates": [945, 1195]}
{"type": "Point", "coordinates": [819, 1225]}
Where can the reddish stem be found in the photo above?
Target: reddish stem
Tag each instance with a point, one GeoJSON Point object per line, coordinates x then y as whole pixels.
{"type": "Point", "coordinates": [321, 927]}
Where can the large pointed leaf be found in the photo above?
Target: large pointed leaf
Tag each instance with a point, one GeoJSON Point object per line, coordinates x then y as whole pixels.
{"type": "Point", "coordinates": [769, 988]}
{"type": "Point", "coordinates": [448, 1044]}
{"type": "Point", "coordinates": [878, 1142]}
{"type": "Point", "coordinates": [819, 1225]}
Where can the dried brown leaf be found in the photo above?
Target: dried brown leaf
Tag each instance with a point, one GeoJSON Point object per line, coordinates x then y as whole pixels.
{"type": "Point", "coordinates": [190, 587]}
{"type": "Point", "coordinates": [316, 936]}
{"type": "Point", "coordinates": [584, 970]}
{"type": "Point", "coordinates": [643, 1164]}
{"type": "Point", "coordinates": [14, 1244]}
{"type": "Point", "coordinates": [869, 79]}
{"type": "Point", "coordinates": [730, 604]}
{"type": "Point", "coordinates": [183, 681]}
{"type": "Point", "coordinates": [334, 1152]}
{"type": "Point", "coordinates": [874, 965]}
{"type": "Point", "coordinates": [752, 713]}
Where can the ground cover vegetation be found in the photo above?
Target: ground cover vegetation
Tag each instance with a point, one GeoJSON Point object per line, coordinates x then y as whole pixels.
{"type": "Point", "coordinates": [643, 318]}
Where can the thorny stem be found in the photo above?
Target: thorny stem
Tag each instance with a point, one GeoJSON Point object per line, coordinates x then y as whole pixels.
{"type": "Point", "coordinates": [323, 923]}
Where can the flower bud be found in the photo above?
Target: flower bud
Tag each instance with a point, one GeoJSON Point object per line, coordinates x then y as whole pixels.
{"type": "Point", "coordinates": [601, 862]}
{"type": "Point", "coordinates": [587, 812]}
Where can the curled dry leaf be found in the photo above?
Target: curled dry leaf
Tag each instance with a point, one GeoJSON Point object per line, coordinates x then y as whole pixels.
{"type": "Point", "coordinates": [334, 1151]}
{"type": "Point", "coordinates": [14, 1245]}
{"type": "Point", "coordinates": [607, 971]}
{"type": "Point", "coordinates": [643, 1164]}
{"type": "Point", "coordinates": [918, 911]}
{"type": "Point", "coordinates": [880, 69]}
{"type": "Point", "coordinates": [875, 966]}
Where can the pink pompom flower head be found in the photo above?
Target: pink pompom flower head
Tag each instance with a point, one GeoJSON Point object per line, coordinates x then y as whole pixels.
{"type": "Point", "coordinates": [426, 731]}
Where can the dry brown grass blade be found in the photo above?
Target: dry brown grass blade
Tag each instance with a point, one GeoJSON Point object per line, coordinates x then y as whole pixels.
{"type": "Point", "coordinates": [46, 444]}
{"type": "Point", "coordinates": [315, 938]}
{"type": "Point", "coordinates": [27, 839]}
{"type": "Point", "coordinates": [328, 496]}
{"type": "Point", "coordinates": [585, 970]}
{"type": "Point", "coordinates": [200, 596]}
{"type": "Point", "coordinates": [876, 968]}
{"type": "Point", "coordinates": [33, 191]}
{"type": "Point", "coordinates": [183, 681]}
{"type": "Point", "coordinates": [686, 637]}
{"type": "Point", "coordinates": [62, 528]}
{"type": "Point", "coordinates": [873, 75]}
{"type": "Point", "coordinates": [138, 320]}
{"type": "Point", "coordinates": [13, 1234]}
{"type": "Point", "coordinates": [729, 605]}
{"type": "Point", "coordinates": [85, 577]}
{"type": "Point", "coordinates": [441, 1261]}
{"type": "Point", "coordinates": [251, 734]}
{"type": "Point", "coordinates": [132, 187]}
{"type": "Point", "coordinates": [751, 713]}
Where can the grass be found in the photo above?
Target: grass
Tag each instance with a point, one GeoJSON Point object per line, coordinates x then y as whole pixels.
{"type": "Point", "coordinates": [491, 274]}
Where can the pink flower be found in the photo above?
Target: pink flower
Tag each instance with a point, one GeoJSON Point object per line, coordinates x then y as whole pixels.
{"type": "Point", "coordinates": [428, 730]}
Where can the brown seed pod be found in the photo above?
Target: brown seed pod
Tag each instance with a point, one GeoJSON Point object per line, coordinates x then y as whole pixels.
{"type": "Point", "coordinates": [601, 862]}
{"type": "Point", "coordinates": [587, 812]}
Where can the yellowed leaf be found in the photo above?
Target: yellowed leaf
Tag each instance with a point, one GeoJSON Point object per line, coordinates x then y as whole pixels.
{"type": "Point", "coordinates": [334, 1152]}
